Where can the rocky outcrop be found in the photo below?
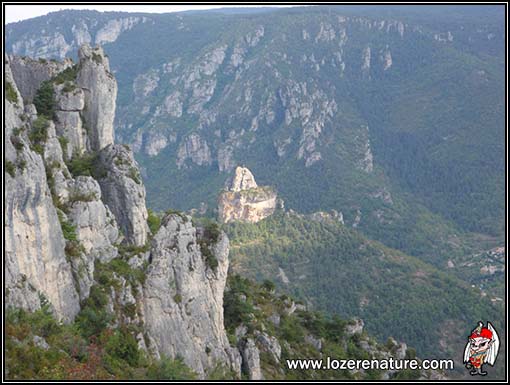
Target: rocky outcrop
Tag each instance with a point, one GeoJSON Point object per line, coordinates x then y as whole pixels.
{"type": "Point", "coordinates": [324, 217]}
{"type": "Point", "coordinates": [100, 88]}
{"type": "Point", "coordinates": [243, 180]}
{"type": "Point", "coordinates": [70, 102]}
{"type": "Point", "coordinates": [29, 73]}
{"type": "Point", "coordinates": [183, 297]}
{"type": "Point", "coordinates": [123, 192]}
{"type": "Point", "coordinates": [243, 200]}
{"type": "Point", "coordinates": [36, 268]}
{"type": "Point", "coordinates": [251, 360]}
{"type": "Point", "coordinates": [96, 229]}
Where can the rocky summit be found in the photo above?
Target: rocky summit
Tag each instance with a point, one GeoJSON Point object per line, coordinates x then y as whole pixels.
{"type": "Point", "coordinates": [244, 200]}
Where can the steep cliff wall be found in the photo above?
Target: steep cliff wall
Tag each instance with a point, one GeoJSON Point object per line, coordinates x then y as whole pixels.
{"type": "Point", "coordinates": [75, 209]}
{"type": "Point", "coordinates": [35, 261]}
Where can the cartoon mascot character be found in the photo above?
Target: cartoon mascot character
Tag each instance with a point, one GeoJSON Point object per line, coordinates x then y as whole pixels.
{"type": "Point", "coordinates": [482, 348]}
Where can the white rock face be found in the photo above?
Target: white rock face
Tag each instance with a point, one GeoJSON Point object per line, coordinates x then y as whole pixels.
{"type": "Point", "coordinates": [365, 61]}
{"type": "Point", "coordinates": [100, 88]}
{"type": "Point", "coordinates": [243, 180]}
{"type": "Point", "coordinates": [386, 59]}
{"type": "Point", "coordinates": [183, 298]}
{"type": "Point", "coordinates": [81, 33]}
{"type": "Point", "coordinates": [35, 262]}
{"type": "Point", "coordinates": [155, 143]}
{"type": "Point", "coordinates": [113, 28]}
{"type": "Point", "coordinates": [366, 158]}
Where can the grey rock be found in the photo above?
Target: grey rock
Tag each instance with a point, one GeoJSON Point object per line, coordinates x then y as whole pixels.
{"type": "Point", "coordinates": [40, 342]}
{"type": "Point", "coordinates": [275, 319]}
{"type": "Point", "coordinates": [68, 122]}
{"type": "Point", "coordinates": [251, 360]}
{"type": "Point", "coordinates": [122, 190]}
{"type": "Point", "coordinates": [355, 327]}
{"type": "Point", "coordinates": [30, 73]}
{"type": "Point", "coordinates": [315, 342]}
{"type": "Point", "coordinates": [244, 200]}
{"type": "Point", "coordinates": [271, 345]}
{"type": "Point", "coordinates": [145, 84]}
{"type": "Point", "coordinates": [96, 229]}
{"type": "Point", "coordinates": [34, 256]}
{"type": "Point", "coordinates": [100, 88]}
{"type": "Point", "coordinates": [240, 331]}
{"type": "Point", "coordinates": [183, 298]}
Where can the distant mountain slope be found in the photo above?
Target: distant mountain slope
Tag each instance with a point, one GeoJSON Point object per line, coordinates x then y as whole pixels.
{"type": "Point", "coordinates": [345, 104]}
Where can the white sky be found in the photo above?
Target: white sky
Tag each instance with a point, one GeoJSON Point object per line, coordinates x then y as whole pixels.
{"type": "Point", "coordinates": [17, 12]}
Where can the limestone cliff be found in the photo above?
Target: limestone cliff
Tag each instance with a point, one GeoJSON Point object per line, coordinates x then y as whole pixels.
{"type": "Point", "coordinates": [244, 200]}
{"type": "Point", "coordinates": [75, 209]}
{"type": "Point", "coordinates": [182, 283]}
{"type": "Point", "coordinates": [35, 260]}
{"type": "Point", "coordinates": [100, 88]}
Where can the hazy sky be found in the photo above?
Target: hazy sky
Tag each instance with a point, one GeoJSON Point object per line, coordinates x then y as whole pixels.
{"type": "Point", "coordinates": [19, 12]}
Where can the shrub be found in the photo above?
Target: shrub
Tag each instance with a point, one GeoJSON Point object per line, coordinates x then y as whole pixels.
{"type": "Point", "coordinates": [17, 131]}
{"type": "Point", "coordinates": [153, 221]}
{"type": "Point", "coordinates": [92, 321]}
{"type": "Point", "coordinates": [121, 345]}
{"type": "Point", "coordinates": [39, 134]}
{"type": "Point", "coordinates": [178, 298]}
{"type": "Point", "coordinates": [291, 329]}
{"type": "Point", "coordinates": [68, 229]}
{"type": "Point", "coordinates": [10, 93]}
{"type": "Point", "coordinates": [68, 87]}
{"type": "Point", "coordinates": [44, 100]}
{"type": "Point", "coordinates": [268, 285]}
{"type": "Point", "coordinates": [63, 145]}
{"type": "Point", "coordinates": [21, 164]}
{"type": "Point", "coordinates": [167, 369]}
{"type": "Point", "coordinates": [97, 58]}
{"type": "Point", "coordinates": [210, 258]}
{"type": "Point", "coordinates": [17, 143]}
{"type": "Point", "coordinates": [67, 75]}
{"type": "Point", "coordinates": [85, 164]}
{"type": "Point", "coordinates": [135, 175]}
{"type": "Point", "coordinates": [211, 231]}
{"type": "Point", "coordinates": [10, 168]}
{"type": "Point", "coordinates": [80, 196]}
